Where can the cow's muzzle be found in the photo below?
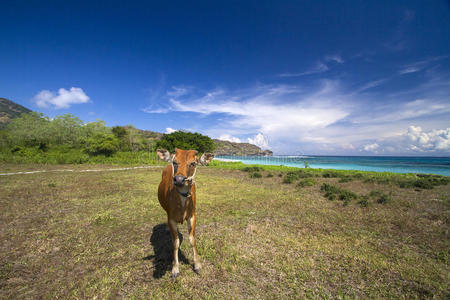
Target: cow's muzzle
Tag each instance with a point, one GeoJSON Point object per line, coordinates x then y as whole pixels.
{"type": "Point", "coordinates": [179, 180]}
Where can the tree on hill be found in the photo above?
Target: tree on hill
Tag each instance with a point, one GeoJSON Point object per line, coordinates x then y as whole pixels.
{"type": "Point", "coordinates": [186, 140]}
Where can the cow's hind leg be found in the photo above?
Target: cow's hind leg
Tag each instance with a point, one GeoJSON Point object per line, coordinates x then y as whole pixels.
{"type": "Point", "coordinates": [191, 229]}
{"type": "Point", "coordinates": [176, 244]}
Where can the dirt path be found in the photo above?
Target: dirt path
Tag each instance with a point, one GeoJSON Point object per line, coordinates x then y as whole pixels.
{"type": "Point", "coordinates": [78, 171]}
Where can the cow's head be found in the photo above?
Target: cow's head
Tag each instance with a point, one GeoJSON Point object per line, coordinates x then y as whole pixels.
{"type": "Point", "coordinates": [184, 164]}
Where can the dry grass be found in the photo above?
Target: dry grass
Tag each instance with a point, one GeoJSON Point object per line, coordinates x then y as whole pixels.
{"type": "Point", "coordinates": [84, 235]}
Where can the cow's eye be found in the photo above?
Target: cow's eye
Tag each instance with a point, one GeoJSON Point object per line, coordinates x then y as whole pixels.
{"type": "Point", "coordinates": [192, 164]}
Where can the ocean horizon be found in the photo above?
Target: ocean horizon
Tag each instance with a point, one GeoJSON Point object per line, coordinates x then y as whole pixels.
{"type": "Point", "coordinates": [395, 164]}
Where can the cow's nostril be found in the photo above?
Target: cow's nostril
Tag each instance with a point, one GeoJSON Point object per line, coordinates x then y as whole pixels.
{"type": "Point", "coordinates": [179, 180]}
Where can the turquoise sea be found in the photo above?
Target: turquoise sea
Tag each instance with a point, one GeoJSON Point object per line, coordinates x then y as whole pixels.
{"type": "Point", "coordinates": [427, 165]}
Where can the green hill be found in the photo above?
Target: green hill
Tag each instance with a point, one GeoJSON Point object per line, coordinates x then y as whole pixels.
{"type": "Point", "coordinates": [230, 148]}
{"type": "Point", "coordinates": [10, 110]}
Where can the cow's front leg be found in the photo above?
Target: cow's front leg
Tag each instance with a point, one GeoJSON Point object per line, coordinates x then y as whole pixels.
{"type": "Point", "coordinates": [191, 229]}
{"type": "Point", "coordinates": [176, 244]}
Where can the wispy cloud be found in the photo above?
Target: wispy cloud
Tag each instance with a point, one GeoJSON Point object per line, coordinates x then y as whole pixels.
{"type": "Point", "coordinates": [336, 58]}
{"type": "Point", "coordinates": [319, 67]}
{"type": "Point", "coordinates": [177, 91]}
{"type": "Point", "coordinates": [323, 116]}
{"type": "Point", "coordinates": [62, 99]}
{"type": "Point", "coordinates": [421, 65]}
{"type": "Point", "coordinates": [155, 110]}
{"type": "Point", "coordinates": [371, 84]}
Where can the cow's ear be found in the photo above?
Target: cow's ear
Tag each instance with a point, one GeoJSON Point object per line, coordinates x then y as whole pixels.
{"type": "Point", "coordinates": [164, 154]}
{"type": "Point", "coordinates": [206, 158]}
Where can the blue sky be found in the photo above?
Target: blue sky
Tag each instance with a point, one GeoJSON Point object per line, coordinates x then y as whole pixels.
{"type": "Point", "coordinates": [297, 77]}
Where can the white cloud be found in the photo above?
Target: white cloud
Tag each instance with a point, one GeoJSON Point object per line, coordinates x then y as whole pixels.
{"type": "Point", "coordinates": [434, 140]}
{"type": "Point", "coordinates": [229, 138]}
{"type": "Point", "coordinates": [421, 65]}
{"type": "Point", "coordinates": [63, 99]}
{"type": "Point", "coordinates": [409, 70]}
{"type": "Point", "coordinates": [259, 140]}
{"type": "Point", "coordinates": [335, 58]}
{"type": "Point", "coordinates": [266, 110]}
{"type": "Point", "coordinates": [414, 140]}
{"type": "Point", "coordinates": [177, 91]}
{"type": "Point", "coordinates": [320, 67]}
{"type": "Point", "coordinates": [371, 147]}
{"type": "Point", "coordinates": [317, 119]}
{"type": "Point", "coordinates": [170, 130]}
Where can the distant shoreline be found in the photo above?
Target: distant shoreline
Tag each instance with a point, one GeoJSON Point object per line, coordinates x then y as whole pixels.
{"type": "Point", "coordinates": [395, 164]}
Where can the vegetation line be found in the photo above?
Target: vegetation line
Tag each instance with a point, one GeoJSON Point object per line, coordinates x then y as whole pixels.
{"type": "Point", "coordinates": [79, 171]}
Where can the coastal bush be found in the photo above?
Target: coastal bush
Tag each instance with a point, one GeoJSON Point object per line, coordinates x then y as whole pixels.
{"type": "Point", "coordinates": [383, 199]}
{"type": "Point", "coordinates": [102, 144]}
{"type": "Point", "coordinates": [269, 175]}
{"type": "Point", "coordinates": [402, 180]}
{"type": "Point", "coordinates": [186, 140]}
{"type": "Point", "coordinates": [330, 174]}
{"type": "Point", "coordinates": [66, 155]}
{"type": "Point", "coordinates": [364, 202]}
{"type": "Point", "coordinates": [291, 177]}
{"type": "Point", "coordinates": [345, 179]}
{"type": "Point", "coordinates": [330, 190]}
{"type": "Point", "coordinates": [379, 196]}
{"type": "Point", "coordinates": [65, 139]}
{"type": "Point", "coordinates": [333, 192]}
{"type": "Point", "coordinates": [252, 169]}
{"type": "Point", "coordinates": [255, 175]}
{"type": "Point", "coordinates": [423, 181]}
{"type": "Point", "coordinates": [302, 173]}
{"type": "Point", "coordinates": [306, 182]}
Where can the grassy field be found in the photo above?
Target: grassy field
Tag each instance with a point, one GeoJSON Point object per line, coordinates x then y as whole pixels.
{"type": "Point", "coordinates": [267, 236]}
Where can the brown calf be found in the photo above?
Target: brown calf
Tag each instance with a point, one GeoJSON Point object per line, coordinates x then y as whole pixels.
{"type": "Point", "coordinates": [176, 194]}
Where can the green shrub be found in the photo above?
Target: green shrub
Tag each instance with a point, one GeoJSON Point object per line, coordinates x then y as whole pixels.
{"type": "Point", "coordinates": [304, 173]}
{"type": "Point", "coordinates": [422, 181]}
{"type": "Point", "coordinates": [255, 175]}
{"type": "Point", "coordinates": [347, 196]}
{"type": "Point", "coordinates": [186, 140]}
{"type": "Point", "coordinates": [333, 192]}
{"type": "Point", "coordinates": [345, 179]}
{"type": "Point", "coordinates": [379, 196]}
{"type": "Point", "coordinates": [252, 169]}
{"type": "Point", "coordinates": [306, 182]}
{"type": "Point", "coordinates": [102, 144]}
{"type": "Point", "coordinates": [364, 202]}
{"type": "Point", "coordinates": [269, 175]}
{"type": "Point", "coordinates": [330, 174]}
{"type": "Point", "coordinates": [424, 184]}
{"type": "Point", "coordinates": [290, 177]}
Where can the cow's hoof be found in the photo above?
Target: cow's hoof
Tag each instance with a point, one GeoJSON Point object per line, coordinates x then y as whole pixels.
{"type": "Point", "coordinates": [198, 269]}
{"type": "Point", "coordinates": [174, 275]}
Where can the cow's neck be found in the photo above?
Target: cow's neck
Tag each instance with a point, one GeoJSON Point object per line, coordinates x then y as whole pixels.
{"type": "Point", "coordinates": [184, 193]}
